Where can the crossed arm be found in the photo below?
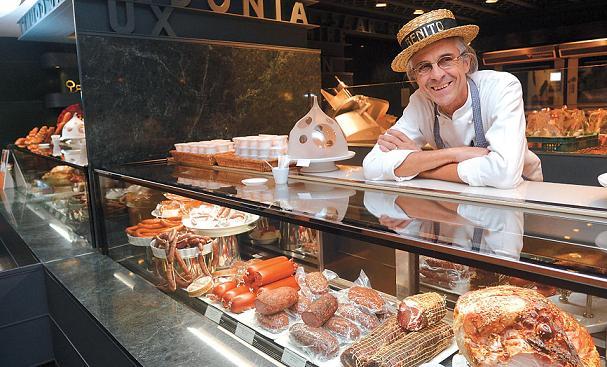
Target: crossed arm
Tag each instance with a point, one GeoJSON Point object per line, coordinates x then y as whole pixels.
{"type": "Point", "coordinates": [436, 164]}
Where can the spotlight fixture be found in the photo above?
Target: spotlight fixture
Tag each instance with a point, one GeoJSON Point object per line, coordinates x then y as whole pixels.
{"type": "Point", "coordinates": [418, 12]}
{"type": "Point", "coordinates": [491, 1]}
{"type": "Point", "coordinates": [381, 5]}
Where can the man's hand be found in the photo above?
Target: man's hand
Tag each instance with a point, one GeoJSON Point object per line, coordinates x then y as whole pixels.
{"type": "Point", "coordinates": [461, 154]}
{"type": "Point", "coordinates": [394, 139]}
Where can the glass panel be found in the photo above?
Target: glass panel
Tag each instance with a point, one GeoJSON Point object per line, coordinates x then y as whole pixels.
{"type": "Point", "coordinates": [571, 245]}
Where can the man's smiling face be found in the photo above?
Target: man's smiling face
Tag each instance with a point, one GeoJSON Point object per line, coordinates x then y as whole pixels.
{"type": "Point", "coordinates": [447, 87]}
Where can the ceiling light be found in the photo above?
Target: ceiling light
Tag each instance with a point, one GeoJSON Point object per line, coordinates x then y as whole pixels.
{"type": "Point", "coordinates": [491, 1]}
{"type": "Point", "coordinates": [555, 76]}
{"type": "Point", "coordinates": [418, 12]}
{"type": "Point", "coordinates": [381, 5]}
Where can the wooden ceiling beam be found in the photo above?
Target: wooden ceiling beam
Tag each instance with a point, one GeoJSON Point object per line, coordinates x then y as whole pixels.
{"type": "Point", "coordinates": [475, 7]}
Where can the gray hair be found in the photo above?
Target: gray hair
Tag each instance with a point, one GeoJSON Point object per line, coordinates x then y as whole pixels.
{"type": "Point", "coordinates": [463, 49]}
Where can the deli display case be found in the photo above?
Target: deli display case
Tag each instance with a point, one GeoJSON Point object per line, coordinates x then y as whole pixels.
{"type": "Point", "coordinates": [56, 189]}
{"type": "Point", "coordinates": [204, 238]}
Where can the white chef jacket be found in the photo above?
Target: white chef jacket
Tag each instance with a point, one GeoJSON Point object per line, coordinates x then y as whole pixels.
{"type": "Point", "coordinates": [503, 116]}
{"type": "Point", "coordinates": [503, 228]}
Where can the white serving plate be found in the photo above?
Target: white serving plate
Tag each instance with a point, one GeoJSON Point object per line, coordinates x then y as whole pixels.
{"type": "Point", "coordinates": [254, 181]}
{"type": "Point", "coordinates": [248, 225]}
{"type": "Point", "coordinates": [603, 179]}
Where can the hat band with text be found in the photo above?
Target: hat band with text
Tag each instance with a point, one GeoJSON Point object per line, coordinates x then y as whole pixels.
{"type": "Point", "coordinates": [427, 30]}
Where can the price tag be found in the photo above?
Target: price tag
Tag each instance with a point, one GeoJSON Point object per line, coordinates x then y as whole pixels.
{"type": "Point", "coordinates": [303, 163]}
{"type": "Point", "coordinates": [213, 314]}
{"type": "Point", "coordinates": [292, 359]}
{"type": "Point", "coordinates": [245, 333]}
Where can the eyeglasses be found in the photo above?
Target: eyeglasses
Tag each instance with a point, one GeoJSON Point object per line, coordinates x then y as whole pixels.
{"type": "Point", "coordinates": [444, 63]}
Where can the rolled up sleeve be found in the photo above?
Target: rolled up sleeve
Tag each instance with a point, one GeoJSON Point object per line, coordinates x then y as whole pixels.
{"type": "Point", "coordinates": [503, 166]}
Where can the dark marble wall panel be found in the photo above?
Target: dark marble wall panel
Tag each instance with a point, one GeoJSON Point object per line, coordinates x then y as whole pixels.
{"type": "Point", "coordinates": [141, 96]}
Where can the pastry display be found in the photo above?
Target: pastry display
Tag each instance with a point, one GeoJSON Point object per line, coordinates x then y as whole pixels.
{"type": "Point", "coordinates": [557, 122]}
{"type": "Point", "coordinates": [63, 176]}
{"type": "Point", "coordinates": [597, 120]}
{"type": "Point", "coordinates": [508, 325]}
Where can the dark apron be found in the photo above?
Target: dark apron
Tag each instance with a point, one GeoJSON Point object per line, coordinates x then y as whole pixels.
{"type": "Point", "coordinates": [479, 132]}
{"type": "Point", "coordinates": [479, 141]}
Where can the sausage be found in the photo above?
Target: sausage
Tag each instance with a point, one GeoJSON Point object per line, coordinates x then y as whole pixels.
{"type": "Point", "coordinates": [317, 283]}
{"type": "Point", "coordinates": [366, 297]}
{"type": "Point", "coordinates": [421, 310]}
{"type": "Point", "coordinates": [221, 288]}
{"type": "Point", "coordinates": [275, 300]}
{"type": "Point", "coordinates": [252, 268]}
{"type": "Point", "coordinates": [317, 340]}
{"type": "Point", "coordinates": [242, 302]}
{"type": "Point", "coordinates": [353, 313]}
{"type": "Point", "coordinates": [286, 282]}
{"type": "Point", "coordinates": [274, 323]}
{"type": "Point", "coordinates": [320, 310]}
{"type": "Point", "coordinates": [227, 296]}
{"type": "Point", "coordinates": [301, 305]}
{"type": "Point", "coordinates": [343, 328]}
{"type": "Point", "coordinates": [272, 273]}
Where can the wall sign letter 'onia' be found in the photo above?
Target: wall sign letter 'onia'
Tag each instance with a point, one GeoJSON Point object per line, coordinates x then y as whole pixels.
{"type": "Point", "coordinates": [122, 13]}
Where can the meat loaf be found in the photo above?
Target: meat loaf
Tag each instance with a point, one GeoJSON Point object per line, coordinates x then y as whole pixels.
{"type": "Point", "coordinates": [301, 305]}
{"type": "Point", "coordinates": [353, 313]}
{"type": "Point", "coordinates": [320, 310]}
{"type": "Point", "coordinates": [317, 283]}
{"type": "Point", "coordinates": [275, 300]}
{"type": "Point", "coordinates": [366, 297]}
{"type": "Point", "coordinates": [318, 341]}
{"type": "Point", "coordinates": [274, 323]}
{"type": "Point", "coordinates": [343, 328]}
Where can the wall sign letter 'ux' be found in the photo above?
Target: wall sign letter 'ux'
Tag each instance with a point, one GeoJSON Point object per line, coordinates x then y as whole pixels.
{"type": "Point", "coordinates": [122, 13]}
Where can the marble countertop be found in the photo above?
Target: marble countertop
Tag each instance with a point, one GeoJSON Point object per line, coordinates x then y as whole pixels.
{"type": "Point", "coordinates": [154, 328]}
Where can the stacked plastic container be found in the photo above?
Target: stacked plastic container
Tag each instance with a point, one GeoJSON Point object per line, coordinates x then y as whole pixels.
{"type": "Point", "coordinates": [206, 147]}
{"type": "Point", "coordinates": [261, 146]}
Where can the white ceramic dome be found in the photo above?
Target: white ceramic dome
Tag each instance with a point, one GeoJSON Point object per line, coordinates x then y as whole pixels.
{"type": "Point", "coordinates": [73, 129]}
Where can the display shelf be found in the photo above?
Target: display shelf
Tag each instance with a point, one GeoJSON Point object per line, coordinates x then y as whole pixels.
{"type": "Point", "coordinates": [360, 224]}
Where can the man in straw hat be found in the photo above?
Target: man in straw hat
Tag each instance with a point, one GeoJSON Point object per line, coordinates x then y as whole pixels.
{"type": "Point", "coordinates": [474, 120]}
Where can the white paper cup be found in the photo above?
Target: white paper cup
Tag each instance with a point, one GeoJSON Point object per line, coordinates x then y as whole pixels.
{"type": "Point", "coordinates": [281, 175]}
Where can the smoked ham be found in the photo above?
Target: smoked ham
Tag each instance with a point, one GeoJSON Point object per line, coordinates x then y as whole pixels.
{"type": "Point", "coordinates": [512, 326]}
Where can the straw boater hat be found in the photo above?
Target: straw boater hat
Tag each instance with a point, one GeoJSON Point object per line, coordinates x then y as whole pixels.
{"type": "Point", "coordinates": [425, 29]}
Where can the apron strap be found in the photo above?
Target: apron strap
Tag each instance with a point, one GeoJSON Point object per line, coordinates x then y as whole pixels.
{"type": "Point", "coordinates": [479, 131]}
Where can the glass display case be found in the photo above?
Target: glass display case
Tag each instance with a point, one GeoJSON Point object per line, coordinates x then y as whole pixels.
{"type": "Point", "coordinates": [55, 189]}
{"type": "Point", "coordinates": [399, 244]}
